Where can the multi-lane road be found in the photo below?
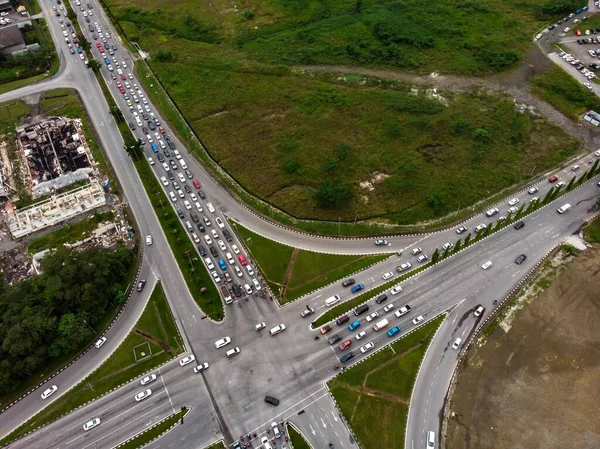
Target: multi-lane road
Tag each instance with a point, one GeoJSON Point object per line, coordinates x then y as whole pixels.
{"type": "Point", "coordinates": [227, 399]}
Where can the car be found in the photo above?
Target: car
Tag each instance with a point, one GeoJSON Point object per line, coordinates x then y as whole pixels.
{"type": "Point", "coordinates": [575, 167]}
{"type": "Point", "coordinates": [187, 360]}
{"type": "Point", "coordinates": [357, 288]}
{"type": "Point", "coordinates": [345, 345]}
{"type": "Point", "coordinates": [416, 251]}
{"type": "Point", "coordinates": [487, 265]}
{"type": "Point", "coordinates": [478, 311]}
{"type": "Point", "coordinates": [491, 212]}
{"type": "Point", "coordinates": [187, 204]}
{"type": "Point", "coordinates": [163, 179]}
{"type": "Point", "coordinates": [257, 286]}
{"type": "Point", "coordinates": [148, 240]}
{"type": "Point", "coordinates": [271, 400]}
{"type": "Point", "coordinates": [513, 201]}
{"type": "Point", "coordinates": [220, 223]}
{"type": "Point", "coordinates": [480, 227]}
{"type": "Point", "coordinates": [387, 275]}
{"type": "Point", "coordinates": [242, 260]}
{"type": "Point", "coordinates": [519, 260]}
{"type": "Point", "coordinates": [91, 424]}
{"type": "Point", "coordinates": [238, 271]}
{"type": "Point", "coordinates": [333, 340]}
{"type": "Point", "coordinates": [393, 331]}
{"type": "Point", "coordinates": [513, 210]}
{"type": "Point", "coordinates": [100, 342]}
{"type": "Point", "coordinates": [148, 379]}
{"type": "Point", "coordinates": [49, 392]}
{"type": "Point", "coordinates": [222, 245]}
{"type": "Point", "coordinates": [144, 394]}
{"type": "Point", "coordinates": [403, 267]}
{"type": "Point", "coordinates": [367, 347]}
{"type": "Point", "coordinates": [249, 270]}
{"type": "Point", "coordinates": [456, 343]}
{"type": "Point", "coordinates": [325, 329]}
{"type": "Point", "coordinates": [206, 221]}
{"type": "Point", "coordinates": [417, 320]}
{"type": "Point", "coordinates": [215, 276]}
{"type": "Point", "coordinates": [210, 208]}
{"type": "Point", "coordinates": [461, 230]}
{"type": "Point", "coordinates": [346, 357]}
{"type": "Point", "coordinates": [560, 184]}
{"type": "Point", "coordinates": [388, 308]}
{"type": "Point", "coordinates": [222, 342]}
{"type": "Point", "coordinates": [588, 85]}
{"type": "Point", "coordinates": [276, 432]}
{"type": "Point", "coordinates": [597, 153]}
{"type": "Point", "coordinates": [447, 246]}
{"type": "Point", "coordinates": [519, 224]}
{"type": "Point", "coordinates": [372, 316]}
{"type": "Point", "coordinates": [566, 30]}
{"type": "Point", "coordinates": [402, 311]}
{"type": "Point", "coordinates": [354, 325]}
{"type": "Point", "coordinates": [395, 290]}
{"type": "Point", "coordinates": [538, 36]}
{"type": "Point", "coordinates": [235, 249]}
{"type": "Point", "coordinates": [381, 242]}
{"type": "Point", "coordinates": [348, 282]}
{"type": "Point", "coordinates": [553, 179]}
{"type": "Point", "coordinates": [202, 367]}
{"type": "Point", "coordinates": [422, 258]}
{"type": "Point", "coordinates": [248, 289]}
{"type": "Point", "coordinates": [532, 190]}
{"type": "Point", "coordinates": [232, 352]}
{"type": "Point", "coordinates": [207, 239]}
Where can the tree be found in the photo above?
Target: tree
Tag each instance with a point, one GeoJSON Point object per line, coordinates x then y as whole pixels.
{"type": "Point", "coordinates": [446, 252]}
{"type": "Point", "coordinates": [94, 65]}
{"type": "Point", "coordinates": [520, 211]}
{"type": "Point", "coordinates": [458, 246]}
{"type": "Point", "coordinates": [292, 167]}
{"type": "Point", "coordinates": [571, 183]}
{"type": "Point", "coordinates": [72, 332]}
{"type": "Point", "coordinates": [164, 56]}
{"type": "Point", "coordinates": [438, 203]}
{"type": "Point", "coordinates": [548, 196]}
{"type": "Point", "coordinates": [467, 239]}
{"type": "Point", "coordinates": [117, 114]}
{"type": "Point", "coordinates": [594, 168]}
{"type": "Point", "coordinates": [330, 195]}
{"type": "Point", "coordinates": [583, 178]}
{"type": "Point", "coordinates": [435, 256]}
{"type": "Point", "coordinates": [135, 150]}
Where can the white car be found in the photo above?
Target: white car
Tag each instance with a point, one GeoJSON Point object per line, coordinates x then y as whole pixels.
{"type": "Point", "coordinates": [220, 223]}
{"type": "Point", "coordinates": [198, 206]}
{"type": "Point", "coordinates": [257, 286]}
{"type": "Point", "coordinates": [403, 267]}
{"type": "Point", "coordinates": [277, 329]}
{"type": "Point", "coordinates": [372, 316]}
{"type": "Point", "coordinates": [447, 245]}
{"type": "Point", "coordinates": [238, 271]}
{"type": "Point", "coordinates": [513, 210]}
{"type": "Point", "coordinates": [201, 367]}
{"type": "Point", "coordinates": [387, 275]}
{"type": "Point", "coordinates": [193, 197]}
{"type": "Point", "coordinates": [367, 347]}
{"type": "Point", "coordinates": [148, 240]}
{"type": "Point", "coordinates": [124, 64]}
{"type": "Point", "coordinates": [181, 194]}
{"type": "Point", "coordinates": [532, 190]}
{"type": "Point", "coordinates": [260, 326]}
{"type": "Point", "coordinates": [265, 443]}
{"type": "Point", "coordinates": [148, 379]}
{"type": "Point", "coordinates": [492, 211]}
{"type": "Point", "coordinates": [388, 308]}
{"type": "Point", "coordinates": [91, 424]}
{"type": "Point", "coordinates": [513, 201]}
{"type": "Point", "coordinates": [209, 263]}
{"type": "Point", "coordinates": [276, 432]}
{"type": "Point", "coordinates": [230, 258]}
{"type": "Point", "coordinates": [456, 343]}
{"type": "Point", "coordinates": [396, 290]}
{"type": "Point", "coordinates": [100, 342]}
{"type": "Point", "coordinates": [232, 352]}
{"type": "Point", "coordinates": [588, 85]}
{"type": "Point", "coordinates": [235, 249]}
{"type": "Point", "coordinates": [210, 207]}
{"type": "Point", "coordinates": [248, 289]}
{"type": "Point", "coordinates": [143, 395]}
{"type": "Point", "coordinates": [597, 153]}
{"type": "Point", "coordinates": [575, 167]}
{"type": "Point", "coordinates": [416, 251]}
{"type": "Point", "coordinates": [222, 245]}
{"type": "Point", "coordinates": [214, 233]}
{"type": "Point", "coordinates": [422, 258]}
{"type": "Point", "coordinates": [249, 270]}
{"type": "Point", "coordinates": [486, 265]}
{"type": "Point", "coordinates": [478, 311]}
{"type": "Point", "coordinates": [216, 276]}
{"type": "Point", "coordinates": [195, 237]}
{"type": "Point", "coordinates": [418, 319]}
{"type": "Point", "coordinates": [187, 204]}
{"type": "Point", "coordinates": [49, 392]}
{"type": "Point", "coordinates": [402, 311]}
{"type": "Point", "coordinates": [151, 161]}
{"type": "Point", "coordinates": [222, 342]}
{"type": "Point", "coordinates": [207, 239]}
{"type": "Point", "coordinates": [361, 335]}
{"type": "Point", "coordinates": [180, 176]}
{"type": "Point", "coordinates": [166, 166]}
{"type": "Point", "coordinates": [187, 360]}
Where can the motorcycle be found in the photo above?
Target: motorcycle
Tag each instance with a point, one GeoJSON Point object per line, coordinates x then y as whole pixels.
{"type": "Point", "coordinates": [336, 367]}
{"type": "Point", "coordinates": [239, 304]}
{"type": "Point", "coordinates": [316, 337]}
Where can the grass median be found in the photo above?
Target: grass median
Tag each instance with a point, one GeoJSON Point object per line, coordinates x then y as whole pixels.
{"type": "Point", "coordinates": [381, 387]}
{"type": "Point", "coordinates": [150, 435]}
{"type": "Point", "coordinates": [152, 342]}
{"type": "Point", "coordinates": [297, 441]}
{"type": "Point", "coordinates": [291, 272]}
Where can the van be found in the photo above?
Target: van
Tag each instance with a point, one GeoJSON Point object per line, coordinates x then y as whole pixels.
{"type": "Point", "coordinates": [341, 320]}
{"type": "Point", "coordinates": [360, 310]}
{"type": "Point", "coordinates": [563, 209]}
{"type": "Point", "coordinates": [189, 226]}
{"type": "Point", "coordinates": [380, 325]}
{"type": "Point", "coordinates": [277, 329]}
{"type": "Point", "coordinates": [183, 164]}
{"type": "Point", "coordinates": [331, 301]}
{"type": "Point", "coordinates": [381, 298]}
{"type": "Point", "coordinates": [430, 439]}
{"type": "Point", "coordinates": [227, 235]}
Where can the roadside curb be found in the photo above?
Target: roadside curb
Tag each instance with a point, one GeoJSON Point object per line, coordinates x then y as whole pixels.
{"type": "Point", "coordinates": [56, 373]}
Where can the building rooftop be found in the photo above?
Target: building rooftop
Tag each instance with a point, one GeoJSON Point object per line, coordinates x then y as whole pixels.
{"type": "Point", "coordinates": [11, 39]}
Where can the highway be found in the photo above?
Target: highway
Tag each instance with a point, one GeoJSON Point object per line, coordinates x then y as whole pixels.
{"type": "Point", "coordinates": [291, 365]}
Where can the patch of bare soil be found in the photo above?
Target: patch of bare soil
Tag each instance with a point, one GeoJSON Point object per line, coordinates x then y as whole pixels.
{"type": "Point", "coordinates": [537, 385]}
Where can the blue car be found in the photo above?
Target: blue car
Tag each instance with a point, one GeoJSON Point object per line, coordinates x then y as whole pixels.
{"type": "Point", "coordinates": [222, 264]}
{"type": "Point", "coordinates": [393, 331]}
{"type": "Point", "coordinates": [354, 325]}
{"type": "Point", "coordinates": [154, 147]}
{"type": "Point", "coordinates": [357, 288]}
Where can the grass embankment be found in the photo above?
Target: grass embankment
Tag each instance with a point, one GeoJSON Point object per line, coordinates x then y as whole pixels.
{"type": "Point", "coordinates": [297, 441]}
{"type": "Point", "coordinates": [143, 439]}
{"type": "Point", "coordinates": [592, 231]}
{"type": "Point", "coordinates": [564, 93]}
{"type": "Point", "coordinates": [11, 113]}
{"type": "Point", "coordinates": [449, 155]}
{"type": "Point", "coordinates": [381, 387]}
{"type": "Point", "coordinates": [155, 329]}
{"type": "Point", "coordinates": [292, 273]}
{"type": "Point", "coordinates": [70, 233]}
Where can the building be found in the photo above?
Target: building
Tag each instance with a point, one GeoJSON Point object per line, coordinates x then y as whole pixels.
{"type": "Point", "coordinates": [11, 40]}
{"type": "Point", "coordinates": [592, 118]}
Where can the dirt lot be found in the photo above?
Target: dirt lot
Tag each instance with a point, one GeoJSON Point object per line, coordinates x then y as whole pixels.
{"type": "Point", "coordinates": [536, 386]}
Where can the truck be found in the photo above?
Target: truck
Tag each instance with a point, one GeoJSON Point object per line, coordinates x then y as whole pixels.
{"type": "Point", "coordinates": [226, 294]}
{"type": "Point", "coordinates": [380, 325]}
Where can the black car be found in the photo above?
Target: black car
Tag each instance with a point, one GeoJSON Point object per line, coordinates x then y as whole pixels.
{"type": "Point", "coordinates": [381, 242]}
{"type": "Point", "coordinates": [201, 227]}
{"type": "Point", "coordinates": [341, 320]}
{"type": "Point", "coordinates": [187, 188]}
{"type": "Point", "coordinates": [519, 224]}
{"type": "Point", "coordinates": [160, 157]}
{"type": "Point", "coordinates": [171, 144]}
{"type": "Point", "coordinates": [180, 213]}
{"type": "Point", "coordinates": [227, 235]}
{"type": "Point", "coordinates": [346, 357]}
{"type": "Point", "coordinates": [145, 130]}
{"type": "Point", "coordinates": [271, 400]}
{"type": "Point", "coordinates": [105, 45]}
{"type": "Point", "coordinates": [551, 27]}
{"type": "Point", "coordinates": [201, 194]}
{"type": "Point", "coordinates": [132, 126]}
{"type": "Point", "coordinates": [213, 251]}
{"type": "Point", "coordinates": [167, 152]}
{"type": "Point", "coordinates": [194, 217]}
{"type": "Point", "coordinates": [333, 340]}
{"type": "Point", "coordinates": [140, 285]}
{"type": "Point", "coordinates": [381, 298]}
{"type": "Point", "coordinates": [237, 290]}
{"type": "Point", "coordinates": [151, 125]}
{"type": "Point", "coordinates": [348, 282]}
{"type": "Point", "coordinates": [202, 250]}
{"type": "Point", "coordinates": [519, 260]}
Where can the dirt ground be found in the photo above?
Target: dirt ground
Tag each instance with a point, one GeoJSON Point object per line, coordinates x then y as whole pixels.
{"type": "Point", "coordinates": [537, 385]}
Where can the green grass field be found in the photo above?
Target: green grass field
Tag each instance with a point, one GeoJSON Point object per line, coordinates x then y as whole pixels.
{"type": "Point", "coordinates": [292, 273]}
{"type": "Point", "coordinates": [592, 231]}
{"type": "Point", "coordinates": [143, 439]}
{"type": "Point", "coordinates": [282, 134]}
{"type": "Point", "coordinates": [296, 439]}
{"type": "Point", "coordinates": [381, 387]}
{"type": "Point", "coordinates": [155, 330]}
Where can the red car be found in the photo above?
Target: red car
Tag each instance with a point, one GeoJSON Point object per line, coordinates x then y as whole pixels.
{"type": "Point", "coordinates": [161, 129]}
{"type": "Point", "coordinates": [242, 260]}
{"type": "Point", "coordinates": [553, 178]}
{"type": "Point", "coordinates": [196, 183]}
{"type": "Point", "coordinates": [123, 77]}
{"type": "Point", "coordinates": [345, 345]}
{"type": "Point", "coordinates": [578, 33]}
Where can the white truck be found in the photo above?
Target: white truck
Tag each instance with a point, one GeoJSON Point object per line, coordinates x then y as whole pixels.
{"type": "Point", "coordinates": [226, 294]}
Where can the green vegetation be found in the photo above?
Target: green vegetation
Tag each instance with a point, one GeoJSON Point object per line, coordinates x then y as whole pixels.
{"type": "Point", "coordinates": [592, 231]}
{"type": "Point", "coordinates": [32, 66]}
{"type": "Point", "coordinates": [292, 273]}
{"type": "Point", "coordinates": [70, 233]}
{"type": "Point", "coordinates": [301, 143]}
{"type": "Point", "coordinates": [143, 439]}
{"type": "Point", "coordinates": [11, 113]}
{"type": "Point", "coordinates": [355, 301]}
{"type": "Point", "coordinates": [564, 93]}
{"type": "Point", "coordinates": [46, 320]}
{"type": "Point", "coordinates": [296, 439]}
{"type": "Point", "coordinates": [217, 445]}
{"type": "Point", "coordinates": [155, 332]}
{"type": "Point", "coordinates": [381, 386]}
